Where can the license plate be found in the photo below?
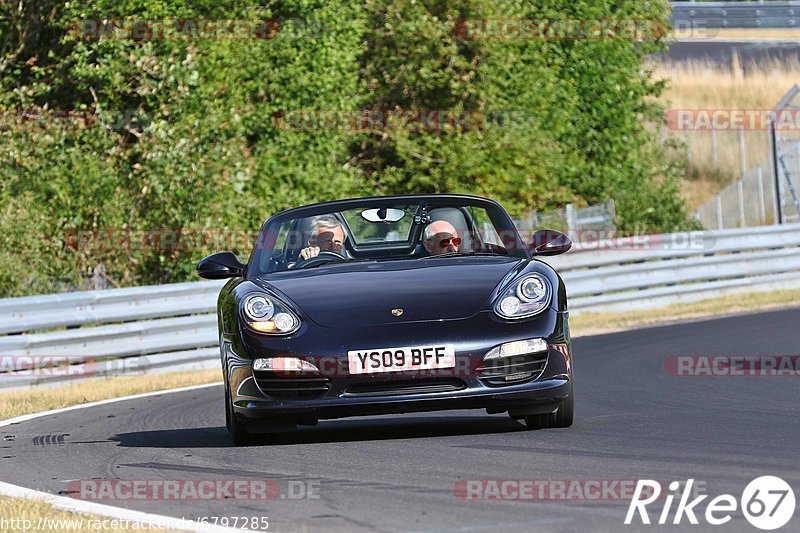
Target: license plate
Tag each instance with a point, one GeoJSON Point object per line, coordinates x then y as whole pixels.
{"type": "Point", "coordinates": [401, 359]}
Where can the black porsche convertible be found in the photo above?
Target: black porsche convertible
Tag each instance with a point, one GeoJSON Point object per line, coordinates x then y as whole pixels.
{"type": "Point", "coordinates": [392, 305]}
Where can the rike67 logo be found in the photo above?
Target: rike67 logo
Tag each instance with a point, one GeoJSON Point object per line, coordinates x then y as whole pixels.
{"type": "Point", "coordinates": [767, 502]}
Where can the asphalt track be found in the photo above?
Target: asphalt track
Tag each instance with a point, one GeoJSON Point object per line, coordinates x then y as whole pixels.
{"type": "Point", "coordinates": [397, 473]}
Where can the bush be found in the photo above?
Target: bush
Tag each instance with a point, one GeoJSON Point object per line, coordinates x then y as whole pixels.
{"type": "Point", "coordinates": [184, 135]}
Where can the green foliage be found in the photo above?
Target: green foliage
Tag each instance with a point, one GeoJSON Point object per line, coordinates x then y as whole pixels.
{"type": "Point", "coordinates": [184, 134]}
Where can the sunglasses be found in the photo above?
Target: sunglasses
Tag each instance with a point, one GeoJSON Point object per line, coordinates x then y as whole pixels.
{"type": "Point", "coordinates": [328, 242]}
{"type": "Point", "coordinates": [444, 243]}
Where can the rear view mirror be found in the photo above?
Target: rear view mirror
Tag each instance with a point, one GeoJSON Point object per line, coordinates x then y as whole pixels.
{"type": "Point", "coordinates": [383, 214]}
{"type": "Point", "coordinates": [220, 266]}
{"type": "Point", "coordinates": [549, 242]}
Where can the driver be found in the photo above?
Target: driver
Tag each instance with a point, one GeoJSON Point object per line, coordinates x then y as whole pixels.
{"type": "Point", "coordinates": [441, 238]}
{"type": "Point", "coordinates": [327, 235]}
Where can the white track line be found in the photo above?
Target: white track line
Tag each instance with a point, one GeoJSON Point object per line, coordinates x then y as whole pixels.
{"type": "Point", "coordinates": [82, 506]}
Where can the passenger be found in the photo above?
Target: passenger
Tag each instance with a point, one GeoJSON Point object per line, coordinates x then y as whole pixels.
{"type": "Point", "coordinates": [441, 238]}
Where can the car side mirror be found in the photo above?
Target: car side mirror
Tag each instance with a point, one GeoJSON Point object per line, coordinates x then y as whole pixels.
{"type": "Point", "coordinates": [220, 265]}
{"type": "Point", "coordinates": [549, 242]}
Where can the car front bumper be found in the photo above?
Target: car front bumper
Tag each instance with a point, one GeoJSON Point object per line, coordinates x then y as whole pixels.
{"type": "Point", "coordinates": [463, 387]}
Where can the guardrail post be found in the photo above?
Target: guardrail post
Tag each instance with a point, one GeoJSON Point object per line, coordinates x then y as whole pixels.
{"type": "Point", "coordinates": [776, 196]}
{"type": "Point", "coordinates": [762, 205]}
{"type": "Point", "coordinates": [740, 194]}
{"type": "Point", "coordinates": [742, 154]}
{"type": "Point", "coordinates": [612, 213]}
{"type": "Point", "coordinates": [572, 218]}
{"type": "Point", "coordinates": [533, 219]}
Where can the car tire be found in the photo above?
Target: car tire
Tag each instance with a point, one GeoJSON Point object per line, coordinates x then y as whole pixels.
{"type": "Point", "coordinates": [562, 418]}
{"type": "Point", "coordinates": [227, 412]}
{"type": "Point", "coordinates": [238, 431]}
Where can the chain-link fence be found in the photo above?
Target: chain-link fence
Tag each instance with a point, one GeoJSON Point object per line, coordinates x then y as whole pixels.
{"type": "Point", "coordinates": [767, 193]}
{"type": "Point", "coordinates": [788, 163]}
{"type": "Point", "coordinates": [749, 201]}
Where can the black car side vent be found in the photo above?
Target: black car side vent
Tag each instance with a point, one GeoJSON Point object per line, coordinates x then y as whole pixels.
{"type": "Point", "coordinates": [295, 387]}
{"type": "Point", "coordinates": [510, 370]}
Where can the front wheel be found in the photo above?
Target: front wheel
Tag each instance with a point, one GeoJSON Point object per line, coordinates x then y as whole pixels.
{"type": "Point", "coordinates": [562, 418]}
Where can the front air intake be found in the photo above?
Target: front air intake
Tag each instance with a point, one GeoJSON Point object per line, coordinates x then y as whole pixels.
{"type": "Point", "coordinates": [510, 370]}
{"type": "Point", "coordinates": [287, 386]}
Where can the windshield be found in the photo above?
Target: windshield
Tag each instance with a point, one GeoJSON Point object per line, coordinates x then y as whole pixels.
{"type": "Point", "coordinates": [404, 230]}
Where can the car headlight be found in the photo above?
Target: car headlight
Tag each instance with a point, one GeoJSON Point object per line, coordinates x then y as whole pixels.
{"type": "Point", "coordinates": [524, 298]}
{"type": "Point", "coordinates": [266, 314]}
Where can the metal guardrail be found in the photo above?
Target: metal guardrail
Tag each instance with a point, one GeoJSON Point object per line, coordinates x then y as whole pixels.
{"type": "Point", "coordinates": [773, 14]}
{"type": "Point", "coordinates": [102, 307]}
{"type": "Point", "coordinates": [658, 270]}
{"type": "Point", "coordinates": [143, 329]}
{"type": "Point", "coordinates": [109, 332]}
{"type": "Point", "coordinates": [569, 219]}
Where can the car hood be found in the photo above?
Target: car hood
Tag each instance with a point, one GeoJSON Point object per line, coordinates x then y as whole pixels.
{"type": "Point", "coordinates": [342, 294]}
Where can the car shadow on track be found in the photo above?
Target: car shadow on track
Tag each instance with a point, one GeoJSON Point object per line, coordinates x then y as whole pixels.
{"type": "Point", "coordinates": [328, 431]}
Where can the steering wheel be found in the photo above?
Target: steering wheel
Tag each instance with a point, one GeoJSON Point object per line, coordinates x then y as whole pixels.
{"type": "Point", "coordinates": [322, 257]}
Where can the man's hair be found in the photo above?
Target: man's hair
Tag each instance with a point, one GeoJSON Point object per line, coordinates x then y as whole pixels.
{"type": "Point", "coordinates": [429, 232]}
{"type": "Point", "coordinates": [324, 221]}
